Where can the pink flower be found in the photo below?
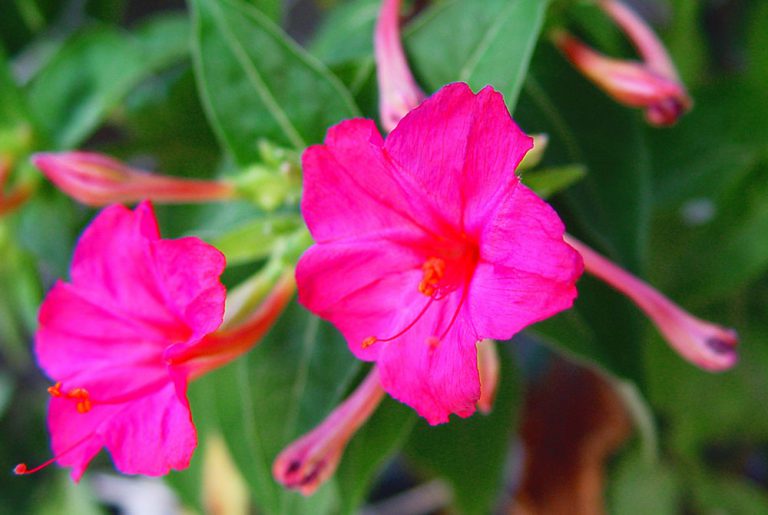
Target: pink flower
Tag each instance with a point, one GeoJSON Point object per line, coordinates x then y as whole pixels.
{"type": "Point", "coordinates": [428, 242]}
{"type": "Point", "coordinates": [105, 336]}
{"type": "Point", "coordinates": [97, 180]}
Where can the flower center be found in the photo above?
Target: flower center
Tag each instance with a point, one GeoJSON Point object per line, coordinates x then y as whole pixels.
{"type": "Point", "coordinates": [440, 277]}
{"type": "Point", "coordinates": [434, 271]}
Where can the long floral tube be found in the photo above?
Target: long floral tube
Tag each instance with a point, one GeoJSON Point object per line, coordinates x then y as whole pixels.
{"type": "Point", "coordinates": [306, 463]}
{"type": "Point", "coordinates": [653, 83]}
{"type": "Point", "coordinates": [98, 180]}
{"type": "Point", "coordinates": [643, 38]}
{"type": "Point", "coordinates": [398, 91]}
{"type": "Point", "coordinates": [228, 343]}
{"type": "Point", "coordinates": [704, 344]}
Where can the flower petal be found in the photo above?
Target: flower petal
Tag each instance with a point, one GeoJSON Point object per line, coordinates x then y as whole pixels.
{"type": "Point", "coordinates": [149, 436]}
{"type": "Point", "coordinates": [76, 335]}
{"type": "Point", "coordinates": [113, 265]}
{"type": "Point", "coordinates": [461, 148]}
{"type": "Point", "coordinates": [359, 287]}
{"type": "Point", "coordinates": [351, 188]}
{"type": "Point", "coordinates": [188, 271]}
{"type": "Point", "coordinates": [435, 380]}
{"type": "Point", "coordinates": [526, 271]}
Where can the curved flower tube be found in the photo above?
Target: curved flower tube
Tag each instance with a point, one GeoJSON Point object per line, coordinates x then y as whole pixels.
{"type": "Point", "coordinates": [309, 461]}
{"type": "Point", "coordinates": [398, 91]}
{"type": "Point", "coordinates": [703, 343]}
{"type": "Point", "coordinates": [98, 180]}
{"type": "Point", "coordinates": [652, 84]}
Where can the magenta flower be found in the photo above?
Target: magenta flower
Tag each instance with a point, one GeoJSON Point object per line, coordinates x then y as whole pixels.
{"type": "Point", "coordinates": [105, 336]}
{"type": "Point", "coordinates": [428, 242]}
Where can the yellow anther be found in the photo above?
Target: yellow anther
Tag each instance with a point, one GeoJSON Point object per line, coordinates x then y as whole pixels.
{"type": "Point", "coordinates": [55, 390]}
{"type": "Point", "coordinates": [434, 271]}
{"type": "Point", "coordinates": [84, 406]}
{"type": "Point", "coordinates": [83, 398]}
{"type": "Point", "coordinates": [368, 342]}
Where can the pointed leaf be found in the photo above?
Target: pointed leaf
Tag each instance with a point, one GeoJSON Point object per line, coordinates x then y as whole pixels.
{"type": "Point", "coordinates": [488, 42]}
{"type": "Point", "coordinates": [258, 84]}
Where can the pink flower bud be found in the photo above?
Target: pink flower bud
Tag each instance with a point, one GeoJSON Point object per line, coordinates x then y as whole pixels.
{"type": "Point", "coordinates": [97, 180]}
{"type": "Point", "coordinates": [398, 91]}
{"type": "Point", "coordinates": [488, 366]}
{"type": "Point", "coordinates": [652, 84]}
{"type": "Point", "coordinates": [309, 461]}
{"type": "Point", "coordinates": [704, 344]}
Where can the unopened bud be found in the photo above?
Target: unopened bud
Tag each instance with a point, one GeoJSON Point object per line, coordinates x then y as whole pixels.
{"type": "Point", "coordinates": [398, 91]}
{"type": "Point", "coordinates": [703, 343]}
{"type": "Point", "coordinates": [652, 84]}
{"type": "Point", "coordinates": [98, 180]}
{"type": "Point", "coordinates": [309, 461]}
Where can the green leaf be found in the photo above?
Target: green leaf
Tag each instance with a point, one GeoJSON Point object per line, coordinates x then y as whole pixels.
{"type": "Point", "coordinates": [16, 127]}
{"type": "Point", "coordinates": [20, 299]}
{"type": "Point", "coordinates": [92, 73]}
{"type": "Point", "coordinates": [163, 40]}
{"type": "Point", "coordinates": [258, 84]}
{"type": "Point", "coordinates": [346, 34]}
{"type": "Point", "coordinates": [488, 42]}
{"type": "Point", "coordinates": [719, 493]}
{"type": "Point", "coordinates": [164, 118]}
{"type": "Point", "coordinates": [637, 487]}
{"type": "Point", "coordinates": [471, 453]}
{"type": "Point", "coordinates": [550, 181]}
{"type": "Point", "coordinates": [710, 189]}
{"type": "Point", "coordinates": [273, 9]}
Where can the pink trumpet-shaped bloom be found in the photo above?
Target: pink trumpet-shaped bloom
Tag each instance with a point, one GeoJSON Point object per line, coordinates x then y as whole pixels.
{"type": "Point", "coordinates": [398, 91]}
{"type": "Point", "coordinates": [428, 242]}
{"type": "Point", "coordinates": [704, 344]}
{"type": "Point", "coordinates": [652, 84]}
{"type": "Point", "coordinates": [309, 461]}
{"type": "Point", "coordinates": [98, 180]}
{"type": "Point", "coordinates": [103, 339]}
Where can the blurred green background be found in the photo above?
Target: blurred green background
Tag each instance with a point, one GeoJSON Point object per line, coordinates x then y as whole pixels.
{"type": "Point", "coordinates": [165, 84]}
